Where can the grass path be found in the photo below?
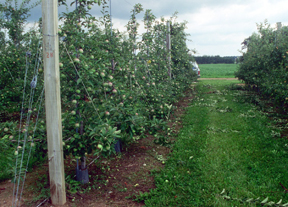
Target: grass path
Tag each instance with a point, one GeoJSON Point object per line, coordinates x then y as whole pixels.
{"type": "Point", "coordinates": [218, 70]}
{"type": "Point", "coordinates": [227, 144]}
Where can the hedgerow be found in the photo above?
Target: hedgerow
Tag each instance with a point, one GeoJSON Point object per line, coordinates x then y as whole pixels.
{"type": "Point", "coordinates": [114, 86]}
{"type": "Point", "coordinates": [264, 64]}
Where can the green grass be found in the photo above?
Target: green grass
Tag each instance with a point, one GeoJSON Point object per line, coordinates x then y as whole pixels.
{"type": "Point", "coordinates": [225, 143]}
{"type": "Point", "coordinates": [218, 70]}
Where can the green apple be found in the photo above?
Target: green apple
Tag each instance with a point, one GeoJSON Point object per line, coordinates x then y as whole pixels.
{"type": "Point", "coordinates": [99, 146]}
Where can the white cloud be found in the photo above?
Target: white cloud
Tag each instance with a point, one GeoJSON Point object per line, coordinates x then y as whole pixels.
{"type": "Point", "coordinates": [216, 27]}
{"type": "Point", "coordinates": [221, 29]}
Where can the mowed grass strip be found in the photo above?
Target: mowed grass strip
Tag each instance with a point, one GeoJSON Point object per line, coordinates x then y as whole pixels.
{"type": "Point", "coordinates": [218, 70]}
{"type": "Point", "coordinates": [225, 144]}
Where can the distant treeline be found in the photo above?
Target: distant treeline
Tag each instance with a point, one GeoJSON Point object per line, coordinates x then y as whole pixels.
{"type": "Point", "coordinates": [214, 59]}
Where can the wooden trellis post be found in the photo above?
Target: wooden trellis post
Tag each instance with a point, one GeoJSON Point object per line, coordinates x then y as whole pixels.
{"type": "Point", "coordinates": [52, 101]}
{"type": "Point", "coordinates": [279, 25]}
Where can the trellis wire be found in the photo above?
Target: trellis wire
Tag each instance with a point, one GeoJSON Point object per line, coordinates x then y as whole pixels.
{"type": "Point", "coordinates": [128, 2]}
{"type": "Point", "coordinates": [9, 71]}
{"type": "Point", "coordinates": [32, 141]}
{"type": "Point", "coordinates": [93, 160]}
{"type": "Point", "coordinates": [83, 83]}
{"type": "Point", "coordinates": [42, 202]}
{"type": "Point", "coordinates": [23, 99]}
{"type": "Point", "coordinates": [111, 16]}
{"type": "Point", "coordinates": [147, 70]}
{"type": "Point", "coordinates": [25, 138]}
{"type": "Point", "coordinates": [33, 86]}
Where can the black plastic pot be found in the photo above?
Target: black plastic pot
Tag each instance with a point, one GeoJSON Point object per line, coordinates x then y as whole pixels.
{"type": "Point", "coordinates": [82, 174]}
{"type": "Point", "coordinates": [118, 146]}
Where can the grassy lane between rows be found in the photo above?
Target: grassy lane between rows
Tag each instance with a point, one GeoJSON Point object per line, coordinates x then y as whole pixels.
{"type": "Point", "coordinates": [225, 143]}
{"type": "Point", "coordinates": [218, 70]}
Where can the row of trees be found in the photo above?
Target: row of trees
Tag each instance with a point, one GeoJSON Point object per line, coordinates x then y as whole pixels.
{"type": "Point", "coordinates": [114, 86]}
{"type": "Point", "coordinates": [265, 62]}
{"type": "Point", "coordinates": [206, 59]}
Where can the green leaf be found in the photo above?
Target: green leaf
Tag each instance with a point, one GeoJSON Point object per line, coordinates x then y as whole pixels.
{"type": "Point", "coordinates": [117, 132]}
{"type": "Point", "coordinates": [79, 80]}
{"type": "Point", "coordinates": [227, 197]}
{"type": "Point", "coordinates": [264, 201]}
{"type": "Point", "coordinates": [249, 200]}
{"type": "Point", "coordinates": [76, 135]}
{"type": "Point", "coordinates": [279, 202]}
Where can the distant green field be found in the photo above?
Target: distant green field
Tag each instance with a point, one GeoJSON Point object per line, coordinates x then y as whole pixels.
{"type": "Point", "coordinates": [218, 70]}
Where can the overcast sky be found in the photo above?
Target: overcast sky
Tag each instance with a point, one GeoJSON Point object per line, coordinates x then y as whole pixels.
{"type": "Point", "coordinates": [217, 27]}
